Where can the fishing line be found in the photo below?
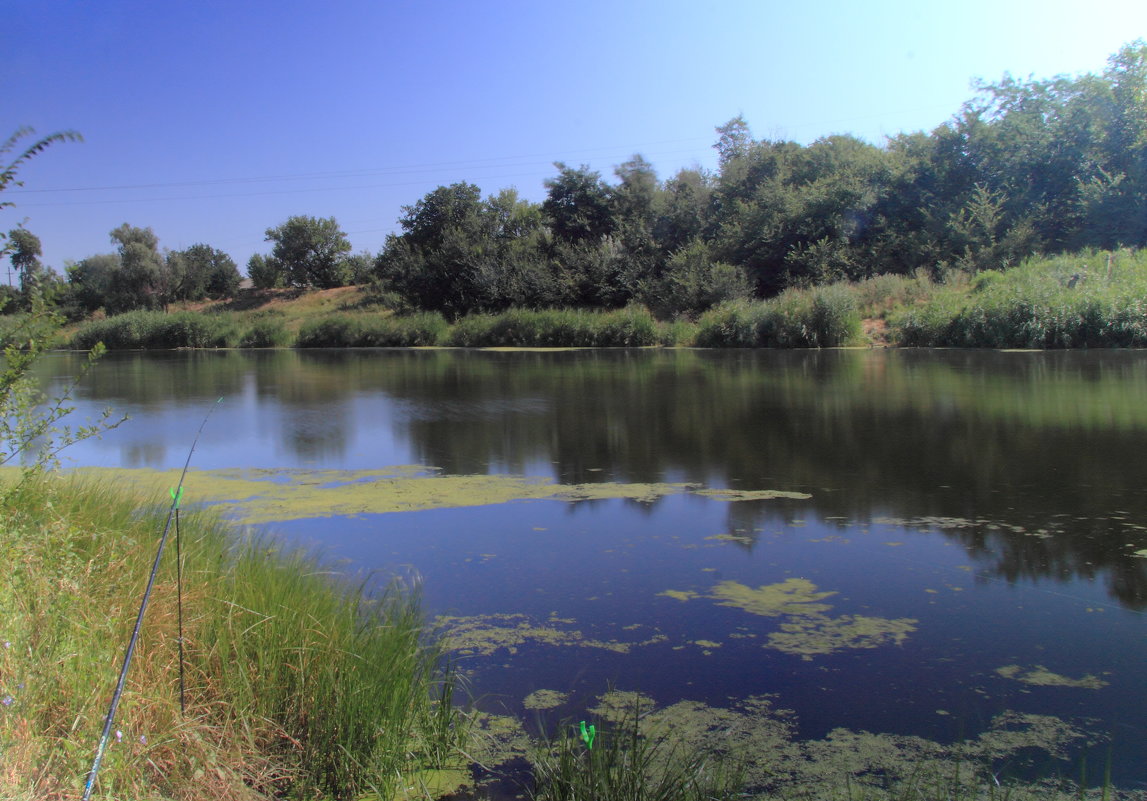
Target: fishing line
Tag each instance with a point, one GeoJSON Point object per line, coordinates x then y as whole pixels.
{"type": "Point", "coordinates": [176, 495]}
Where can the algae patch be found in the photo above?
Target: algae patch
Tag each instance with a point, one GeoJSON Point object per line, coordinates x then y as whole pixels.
{"type": "Point", "coordinates": [805, 628]}
{"type": "Point", "coordinates": [1040, 676]}
{"type": "Point", "coordinates": [257, 496]}
{"type": "Point", "coordinates": [751, 495]}
{"type": "Point", "coordinates": [545, 699]}
{"type": "Point", "coordinates": [794, 596]}
{"type": "Point", "coordinates": [484, 635]}
{"type": "Point", "coordinates": [816, 634]}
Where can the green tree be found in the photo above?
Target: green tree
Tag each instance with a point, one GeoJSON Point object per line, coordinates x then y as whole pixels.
{"type": "Point", "coordinates": [25, 255]}
{"type": "Point", "coordinates": [201, 271]}
{"type": "Point", "coordinates": [265, 273]}
{"type": "Point", "coordinates": [578, 205]}
{"type": "Point", "coordinates": [141, 281]}
{"type": "Point", "coordinates": [312, 252]}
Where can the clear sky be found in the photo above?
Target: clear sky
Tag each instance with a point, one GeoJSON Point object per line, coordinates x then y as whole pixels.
{"type": "Point", "coordinates": [212, 121]}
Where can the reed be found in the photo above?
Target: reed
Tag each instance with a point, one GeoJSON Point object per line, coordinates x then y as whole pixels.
{"type": "Point", "coordinates": [297, 683]}
{"type": "Point", "coordinates": [372, 331]}
{"type": "Point", "coordinates": [557, 328]}
{"type": "Point", "coordinates": [1093, 299]}
{"type": "Point", "coordinates": [625, 764]}
{"type": "Point", "coordinates": [158, 330]}
{"type": "Point", "coordinates": [821, 317]}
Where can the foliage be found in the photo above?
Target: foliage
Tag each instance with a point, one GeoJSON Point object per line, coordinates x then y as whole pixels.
{"type": "Point", "coordinates": [200, 272]}
{"type": "Point", "coordinates": [346, 331]}
{"type": "Point", "coordinates": [1094, 300]}
{"type": "Point", "coordinates": [625, 764]}
{"type": "Point", "coordinates": [631, 327]}
{"type": "Point", "coordinates": [311, 252]}
{"type": "Point", "coordinates": [266, 332]}
{"type": "Point", "coordinates": [297, 685]}
{"type": "Point", "coordinates": [265, 273]}
{"type": "Point", "coordinates": [815, 318]}
{"type": "Point", "coordinates": [158, 330]}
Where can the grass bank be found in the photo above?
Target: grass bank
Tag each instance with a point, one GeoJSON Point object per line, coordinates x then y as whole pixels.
{"type": "Point", "coordinates": [1089, 300]}
{"type": "Point", "coordinates": [297, 686]}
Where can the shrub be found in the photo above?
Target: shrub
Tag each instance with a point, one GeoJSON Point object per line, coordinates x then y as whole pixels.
{"type": "Point", "coordinates": [158, 330]}
{"type": "Point", "coordinates": [822, 317]}
{"type": "Point", "coordinates": [345, 331]}
{"type": "Point", "coordinates": [269, 332]}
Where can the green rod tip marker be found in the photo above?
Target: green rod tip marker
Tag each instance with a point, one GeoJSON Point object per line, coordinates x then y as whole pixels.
{"type": "Point", "coordinates": [176, 496]}
{"type": "Point", "coordinates": [588, 734]}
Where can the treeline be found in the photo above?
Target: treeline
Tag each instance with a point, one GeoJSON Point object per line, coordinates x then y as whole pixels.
{"type": "Point", "coordinates": [1026, 167]}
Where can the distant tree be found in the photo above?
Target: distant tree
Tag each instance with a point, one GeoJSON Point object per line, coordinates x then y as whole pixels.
{"type": "Point", "coordinates": [312, 252]}
{"type": "Point", "coordinates": [202, 271]}
{"type": "Point", "coordinates": [734, 140]}
{"type": "Point", "coordinates": [91, 280]}
{"type": "Point", "coordinates": [265, 273]}
{"type": "Point", "coordinates": [25, 256]}
{"type": "Point", "coordinates": [578, 204]}
{"type": "Point", "coordinates": [141, 280]}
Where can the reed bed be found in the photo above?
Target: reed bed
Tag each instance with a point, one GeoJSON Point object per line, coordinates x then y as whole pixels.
{"type": "Point", "coordinates": [372, 331]}
{"type": "Point", "coordinates": [157, 330]}
{"type": "Point", "coordinates": [1090, 300]}
{"type": "Point", "coordinates": [821, 317]}
{"type": "Point", "coordinates": [297, 684]}
{"type": "Point", "coordinates": [557, 328]}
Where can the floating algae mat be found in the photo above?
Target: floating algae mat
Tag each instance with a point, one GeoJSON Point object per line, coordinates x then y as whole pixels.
{"type": "Point", "coordinates": [263, 496]}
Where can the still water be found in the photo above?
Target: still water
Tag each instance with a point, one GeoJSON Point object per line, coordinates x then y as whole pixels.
{"type": "Point", "coordinates": [968, 543]}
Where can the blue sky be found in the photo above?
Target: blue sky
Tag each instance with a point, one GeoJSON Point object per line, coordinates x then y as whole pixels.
{"type": "Point", "coordinates": [212, 121]}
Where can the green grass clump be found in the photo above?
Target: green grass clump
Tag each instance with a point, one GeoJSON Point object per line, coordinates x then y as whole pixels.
{"type": "Point", "coordinates": [625, 764]}
{"type": "Point", "coordinates": [1086, 300]}
{"type": "Point", "coordinates": [267, 332]}
{"type": "Point", "coordinates": [371, 331]}
{"type": "Point", "coordinates": [296, 685]}
{"type": "Point", "coordinates": [821, 317]}
{"type": "Point", "coordinates": [158, 330]}
{"type": "Point", "coordinates": [557, 328]}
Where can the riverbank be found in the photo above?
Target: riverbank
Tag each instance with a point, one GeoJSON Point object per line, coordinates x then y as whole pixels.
{"type": "Point", "coordinates": [1093, 299]}
{"type": "Point", "coordinates": [295, 685]}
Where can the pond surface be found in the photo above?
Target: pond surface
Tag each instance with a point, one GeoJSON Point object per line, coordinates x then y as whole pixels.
{"type": "Point", "coordinates": [963, 533]}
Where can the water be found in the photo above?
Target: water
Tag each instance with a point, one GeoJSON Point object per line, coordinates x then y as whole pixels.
{"type": "Point", "coordinates": [973, 517]}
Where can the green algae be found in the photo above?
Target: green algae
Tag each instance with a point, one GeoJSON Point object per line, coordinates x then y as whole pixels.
{"type": "Point", "coordinates": [762, 740]}
{"type": "Point", "coordinates": [1040, 676]}
{"type": "Point", "coordinates": [813, 635]}
{"type": "Point", "coordinates": [805, 629]}
{"type": "Point", "coordinates": [484, 635]}
{"type": "Point", "coordinates": [750, 495]}
{"type": "Point", "coordinates": [545, 699]}
{"type": "Point", "coordinates": [794, 596]}
{"type": "Point", "coordinates": [257, 496]}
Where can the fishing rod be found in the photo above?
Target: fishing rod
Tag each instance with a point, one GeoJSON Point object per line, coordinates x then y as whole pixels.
{"type": "Point", "coordinates": [176, 496]}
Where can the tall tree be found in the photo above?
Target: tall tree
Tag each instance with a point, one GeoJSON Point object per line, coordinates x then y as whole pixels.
{"type": "Point", "coordinates": [25, 257]}
{"type": "Point", "coordinates": [312, 251]}
{"type": "Point", "coordinates": [578, 204]}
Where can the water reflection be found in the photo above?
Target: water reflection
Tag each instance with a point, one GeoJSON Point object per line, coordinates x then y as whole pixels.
{"type": "Point", "coordinates": [1031, 461]}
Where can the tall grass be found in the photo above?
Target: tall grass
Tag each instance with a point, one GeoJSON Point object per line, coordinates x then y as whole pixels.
{"type": "Point", "coordinates": [625, 764]}
{"type": "Point", "coordinates": [1096, 299]}
{"type": "Point", "coordinates": [297, 685]}
{"type": "Point", "coordinates": [372, 331]}
{"type": "Point", "coordinates": [556, 328]}
{"type": "Point", "coordinates": [798, 318]}
{"type": "Point", "coordinates": [158, 330]}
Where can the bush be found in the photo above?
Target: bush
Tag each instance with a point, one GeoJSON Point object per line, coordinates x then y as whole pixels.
{"type": "Point", "coordinates": [822, 317]}
{"type": "Point", "coordinates": [557, 328]}
{"type": "Point", "coordinates": [158, 330]}
{"type": "Point", "coordinates": [1083, 300]}
{"type": "Point", "coordinates": [269, 332]}
{"type": "Point", "coordinates": [345, 331]}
